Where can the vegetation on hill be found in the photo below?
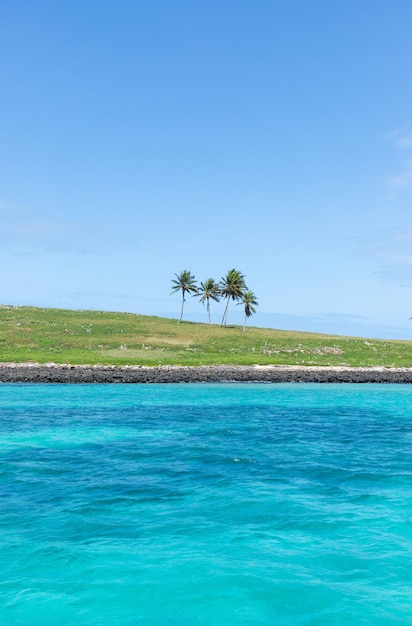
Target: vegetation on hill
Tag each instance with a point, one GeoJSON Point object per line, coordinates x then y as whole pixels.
{"type": "Point", "coordinates": [99, 337]}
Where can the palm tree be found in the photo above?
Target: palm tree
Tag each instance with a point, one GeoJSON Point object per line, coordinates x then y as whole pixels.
{"type": "Point", "coordinates": [209, 290]}
{"type": "Point", "coordinates": [248, 299]}
{"type": "Point", "coordinates": [232, 287]}
{"type": "Point", "coordinates": [186, 283]}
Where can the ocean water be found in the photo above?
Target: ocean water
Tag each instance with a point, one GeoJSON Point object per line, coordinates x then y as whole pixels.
{"type": "Point", "coordinates": [206, 505]}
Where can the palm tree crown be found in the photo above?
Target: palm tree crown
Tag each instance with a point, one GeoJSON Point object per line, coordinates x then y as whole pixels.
{"type": "Point", "coordinates": [209, 290]}
{"type": "Point", "coordinates": [249, 301]}
{"type": "Point", "coordinates": [186, 283]}
{"type": "Point", "coordinates": [232, 287]}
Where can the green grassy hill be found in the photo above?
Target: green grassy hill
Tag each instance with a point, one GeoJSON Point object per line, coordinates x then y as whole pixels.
{"type": "Point", "coordinates": [98, 337]}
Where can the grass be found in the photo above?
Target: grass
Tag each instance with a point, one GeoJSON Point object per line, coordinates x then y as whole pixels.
{"type": "Point", "coordinates": [99, 337]}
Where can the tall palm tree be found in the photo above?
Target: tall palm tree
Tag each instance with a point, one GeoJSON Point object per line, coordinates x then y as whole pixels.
{"type": "Point", "coordinates": [209, 290]}
{"type": "Point", "coordinates": [232, 287]}
{"type": "Point", "coordinates": [186, 283]}
{"type": "Point", "coordinates": [248, 299]}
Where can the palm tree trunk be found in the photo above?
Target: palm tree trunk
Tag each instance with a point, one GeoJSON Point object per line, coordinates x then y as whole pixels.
{"type": "Point", "coordinates": [225, 313]}
{"type": "Point", "coordinates": [208, 310]}
{"type": "Point", "coordinates": [244, 324]}
{"type": "Point", "coordinates": [183, 303]}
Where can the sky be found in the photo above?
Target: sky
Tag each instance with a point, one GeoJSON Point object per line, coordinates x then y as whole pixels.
{"type": "Point", "coordinates": [142, 138]}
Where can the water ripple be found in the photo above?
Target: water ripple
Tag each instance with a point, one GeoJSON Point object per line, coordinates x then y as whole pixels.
{"type": "Point", "coordinates": [206, 504]}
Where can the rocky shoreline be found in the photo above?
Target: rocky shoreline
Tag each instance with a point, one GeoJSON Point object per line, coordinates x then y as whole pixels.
{"type": "Point", "coordinates": [56, 373]}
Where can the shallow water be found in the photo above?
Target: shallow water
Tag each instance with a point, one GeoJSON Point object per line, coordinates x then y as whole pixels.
{"type": "Point", "coordinates": [206, 504]}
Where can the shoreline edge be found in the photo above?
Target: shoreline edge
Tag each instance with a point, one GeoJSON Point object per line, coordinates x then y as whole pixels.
{"type": "Point", "coordinates": [77, 374]}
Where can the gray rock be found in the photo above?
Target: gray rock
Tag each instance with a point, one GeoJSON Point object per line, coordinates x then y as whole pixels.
{"type": "Point", "coordinates": [56, 373]}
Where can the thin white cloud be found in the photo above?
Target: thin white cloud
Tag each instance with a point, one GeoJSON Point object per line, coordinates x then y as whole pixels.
{"type": "Point", "coordinates": [402, 180]}
{"type": "Point", "coordinates": [81, 294]}
{"type": "Point", "coordinates": [401, 139]}
{"type": "Point", "coordinates": [30, 232]}
{"type": "Point", "coordinates": [404, 142]}
{"type": "Point", "coordinates": [392, 254]}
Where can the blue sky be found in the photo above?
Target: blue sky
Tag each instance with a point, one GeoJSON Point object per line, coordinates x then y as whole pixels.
{"type": "Point", "coordinates": [142, 138]}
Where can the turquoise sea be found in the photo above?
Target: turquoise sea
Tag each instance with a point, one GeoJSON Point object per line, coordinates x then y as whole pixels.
{"type": "Point", "coordinates": [222, 504]}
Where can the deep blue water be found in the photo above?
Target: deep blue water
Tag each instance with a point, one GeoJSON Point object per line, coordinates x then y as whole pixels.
{"type": "Point", "coordinates": [206, 504]}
